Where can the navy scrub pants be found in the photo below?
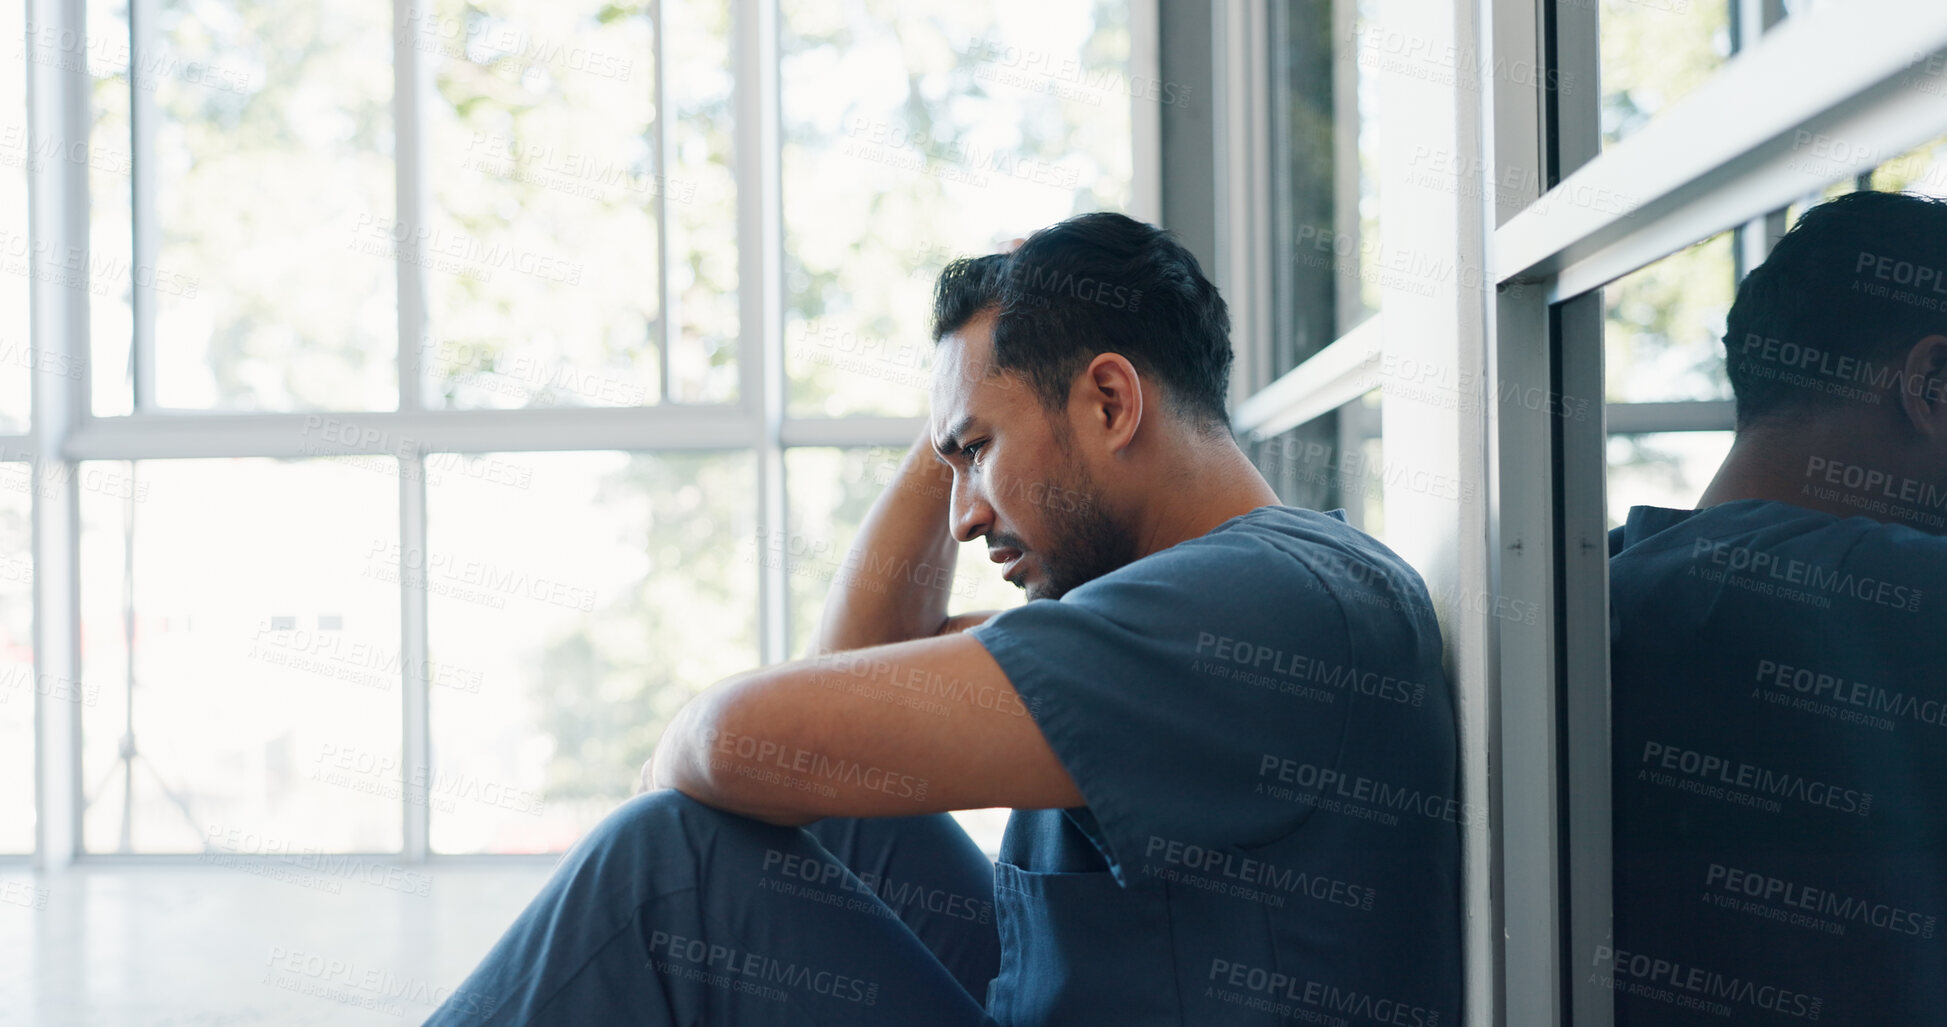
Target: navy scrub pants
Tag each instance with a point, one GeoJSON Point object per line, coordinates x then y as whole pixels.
{"type": "Point", "coordinates": [673, 913]}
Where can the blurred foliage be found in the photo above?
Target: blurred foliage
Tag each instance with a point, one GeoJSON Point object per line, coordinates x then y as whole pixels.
{"type": "Point", "coordinates": [1654, 54]}
{"type": "Point", "coordinates": [546, 161]}
{"type": "Point", "coordinates": [266, 161]}
{"type": "Point", "coordinates": [916, 132]}
{"type": "Point", "coordinates": [547, 144]}
{"type": "Point", "coordinates": [831, 490]}
{"type": "Point", "coordinates": [1920, 170]}
{"type": "Point", "coordinates": [606, 686]}
{"type": "Point", "coordinates": [1664, 326]}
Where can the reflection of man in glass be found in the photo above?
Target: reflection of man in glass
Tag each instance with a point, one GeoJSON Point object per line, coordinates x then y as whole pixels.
{"type": "Point", "coordinates": [1222, 725]}
{"type": "Point", "coordinates": [1780, 657]}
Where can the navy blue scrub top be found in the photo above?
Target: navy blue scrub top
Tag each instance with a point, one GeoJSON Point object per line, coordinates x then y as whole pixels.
{"type": "Point", "coordinates": [1779, 727]}
{"type": "Point", "coordinates": [1259, 725]}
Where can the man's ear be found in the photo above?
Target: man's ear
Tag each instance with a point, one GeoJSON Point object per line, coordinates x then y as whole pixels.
{"type": "Point", "coordinates": [1112, 395]}
{"type": "Point", "coordinates": [1923, 386]}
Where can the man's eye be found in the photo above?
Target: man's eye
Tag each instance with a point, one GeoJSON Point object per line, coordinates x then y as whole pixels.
{"type": "Point", "coordinates": [972, 449]}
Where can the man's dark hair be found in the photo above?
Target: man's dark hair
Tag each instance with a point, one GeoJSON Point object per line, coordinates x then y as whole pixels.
{"type": "Point", "coordinates": [967, 288]}
{"type": "Point", "coordinates": [1836, 306]}
{"type": "Point", "coordinates": [1098, 283]}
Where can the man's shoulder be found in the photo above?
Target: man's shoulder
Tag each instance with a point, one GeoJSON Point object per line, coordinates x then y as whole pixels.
{"type": "Point", "coordinates": [1317, 550]}
{"type": "Point", "coordinates": [1294, 531]}
{"type": "Point", "coordinates": [1757, 567]}
{"type": "Point", "coordinates": [1269, 565]}
{"type": "Point", "coordinates": [1656, 534]}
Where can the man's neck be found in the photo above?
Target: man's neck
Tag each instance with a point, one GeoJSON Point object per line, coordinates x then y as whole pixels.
{"type": "Point", "coordinates": [1807, 465]}
{"type": "Point", "coordinates": [1216, 484]}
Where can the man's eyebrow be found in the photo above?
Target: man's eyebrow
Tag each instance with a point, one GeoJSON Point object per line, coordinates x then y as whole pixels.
{"type": "Point", "coordinates": [953, 436]}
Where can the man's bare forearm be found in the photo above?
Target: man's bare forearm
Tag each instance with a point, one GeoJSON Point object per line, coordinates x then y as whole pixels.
{"type": "Point", "coordinates": [899, 573]}
{"type": "Point", "coordinates": [893, 588]}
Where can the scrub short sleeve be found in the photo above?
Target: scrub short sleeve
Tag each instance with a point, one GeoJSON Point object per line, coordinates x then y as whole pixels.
{"type": "Point", "coordinates": [1164, 685]}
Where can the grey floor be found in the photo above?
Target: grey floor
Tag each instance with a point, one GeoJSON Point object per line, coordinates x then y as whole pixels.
{"type": "Point", "coordinates": [267, 942]}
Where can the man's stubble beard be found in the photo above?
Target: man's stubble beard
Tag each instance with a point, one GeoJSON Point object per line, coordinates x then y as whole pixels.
{"type": "Point", "coordinates": [1084, 543]}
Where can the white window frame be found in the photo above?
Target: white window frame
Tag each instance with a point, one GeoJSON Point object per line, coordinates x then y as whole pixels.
{"type": "Point", "coordinates": [64, 431]}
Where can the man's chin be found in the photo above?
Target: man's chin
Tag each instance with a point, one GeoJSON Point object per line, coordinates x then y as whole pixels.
{"type": "Point", "coordinates": [1041, 589]}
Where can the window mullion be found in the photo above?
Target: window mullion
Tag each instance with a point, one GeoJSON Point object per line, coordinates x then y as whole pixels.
{"type": "Point", "coordinates": [411, 86]}
{"type": "Point", "coordinates": [667, 330]}
{"type": "Point", "coordinates": [760, 349]}
{"type": "Point", "coordinates": [1750, 20]}
{"type": "Point", "coordinates": [144, 52]}
{"type": "Point", "coordinates": [57, 114]}
{"type": "Point", "coordinates": [416, 744]}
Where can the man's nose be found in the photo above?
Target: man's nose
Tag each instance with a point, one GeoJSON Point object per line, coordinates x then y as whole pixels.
{"type": "Point", "coordinates": [971, 516]}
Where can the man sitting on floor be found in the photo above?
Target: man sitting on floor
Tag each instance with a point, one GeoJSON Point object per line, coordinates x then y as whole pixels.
{"type": "Point", "coordinates": [1221, 722]}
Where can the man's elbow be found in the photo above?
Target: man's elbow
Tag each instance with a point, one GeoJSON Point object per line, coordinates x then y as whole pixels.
{"type": "Point", "coordinates": [708, 755]}
{"type": "Point", "coordinates": [683, 757]}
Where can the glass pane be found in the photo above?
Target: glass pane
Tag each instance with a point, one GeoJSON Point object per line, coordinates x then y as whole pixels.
{"type": "Point", "coordinates": [274, 200]}
{"type": "Point", "coordinates": [1920, 170]}
{"type": "Point", "coordinates": [1665, 325]}
{"type": "Point", "coordinates": [110, 323]}
{"type": "Point", "coordinates": [1654, 52]}
{"type": "Point", "coordinates": [544, 180]}
{"type": "Point", "coordinates": [703, 202]}
{"type": "Point", "coordinates": [1337, 462]}
{"type": "Point", "coordinates": [576, 601]}
{"type": "Point", "coordinates": [18, 684]}
{"type": "Point", "coordinates": [1328, 59]}
{"type": "Point", "coordinates": [831, 490]}
{"type": "Point", "coordinates": [261, 703]}
{"type": "Point", "coordinates": [1665, 469]}
{"type": "Point", "coordinates": [15, 356]}
{"type": "Point", "coordinates": [919, 132]}
{"type": "Point", "coordinates": [1772, 645]}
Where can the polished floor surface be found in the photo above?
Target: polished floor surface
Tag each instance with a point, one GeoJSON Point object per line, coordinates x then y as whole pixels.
{"type": "Point", "coordinates": [345, 944]}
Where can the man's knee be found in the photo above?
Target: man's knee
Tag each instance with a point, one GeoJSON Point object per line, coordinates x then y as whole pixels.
{"type": "Point", "coordinates": [660, 817]}
{"type": "Point", "coordinates": [661, 806]}
{"type": "Point", "coordinates": [665, 842]}
{"type": "Point", "coordinates": [666, 824]}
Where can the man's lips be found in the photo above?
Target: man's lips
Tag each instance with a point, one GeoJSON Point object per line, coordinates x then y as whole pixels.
{"type": "Point", "coordinates": [1008, 556]}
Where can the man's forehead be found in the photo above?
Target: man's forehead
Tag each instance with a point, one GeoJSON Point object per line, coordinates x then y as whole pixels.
{"type": "Point", "coordinates": [971, 346]}
{"type": "Point", "coordinates": [965, 378]}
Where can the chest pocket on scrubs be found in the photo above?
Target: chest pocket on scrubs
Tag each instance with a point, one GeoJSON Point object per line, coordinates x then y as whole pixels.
{"type": "Point", "coordinates": [1078, 949]}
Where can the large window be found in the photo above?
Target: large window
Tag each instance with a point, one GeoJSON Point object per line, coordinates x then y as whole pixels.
{"type": "Point", "coordinates": [16, 154]}
{"type": "Point", "coordinates": [240, 618]}
{"type": "Point", "coordinates": [425, 459]}
{"type": "Point", "coordinates": [18, 682]}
